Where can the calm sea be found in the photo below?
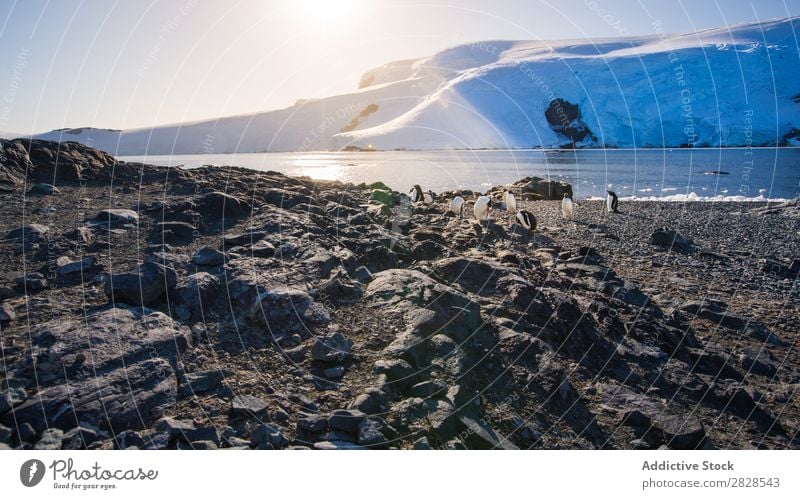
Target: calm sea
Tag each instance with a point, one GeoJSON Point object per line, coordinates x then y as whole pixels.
{"type": "Point", "coordinates": [669, 174]}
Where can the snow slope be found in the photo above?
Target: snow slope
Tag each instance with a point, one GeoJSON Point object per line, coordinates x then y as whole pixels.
{"type": "Point", "coordinates": [731, 86]}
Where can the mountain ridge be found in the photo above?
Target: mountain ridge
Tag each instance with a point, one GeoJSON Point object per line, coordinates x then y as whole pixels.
{"type": "Point", "coordinates": [734, 86]}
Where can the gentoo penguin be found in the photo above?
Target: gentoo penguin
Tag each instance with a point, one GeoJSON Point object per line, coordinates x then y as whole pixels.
{"type": "Point", "coordinates": [457, 206]}
{"type": "Point", "coordinates": [526, 220]}
{"type": "Point", "coordinates": [481, 208]}
{"type": "Point", "coordinates": [612, 202]}
{"type": "Point", "coordinates": [510, 201]}
{"type": "Point", "coordinates": [418, 196]}
{"type": "Point", "coordinates": [567, 206]}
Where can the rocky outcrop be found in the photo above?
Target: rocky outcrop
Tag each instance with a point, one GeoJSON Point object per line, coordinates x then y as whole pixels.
{"type": "Point", "coordinates": [335, 316]}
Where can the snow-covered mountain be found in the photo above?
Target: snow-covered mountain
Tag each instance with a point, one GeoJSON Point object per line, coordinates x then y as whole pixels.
{"type": "Point", "coordinates": [731, 86]}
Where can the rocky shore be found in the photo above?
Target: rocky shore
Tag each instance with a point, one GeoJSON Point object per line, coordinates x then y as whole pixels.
{"type": "Point", "coordinates": [146, 307]}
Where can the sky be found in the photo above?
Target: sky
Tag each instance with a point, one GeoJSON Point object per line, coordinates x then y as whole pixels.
{"type": "Point", "coordinates": [128, 64]}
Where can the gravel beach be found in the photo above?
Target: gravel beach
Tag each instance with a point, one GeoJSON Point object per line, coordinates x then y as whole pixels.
{"type": "Point", "coordinates": [146, 307]}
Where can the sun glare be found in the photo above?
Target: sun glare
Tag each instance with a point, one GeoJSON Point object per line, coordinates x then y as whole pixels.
{"type": "Point", "coordinates": [321, 12]}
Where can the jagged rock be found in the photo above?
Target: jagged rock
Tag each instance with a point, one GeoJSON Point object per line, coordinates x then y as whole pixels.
{"type": "Point", "coordinates": [7, 312]}
{"type": "Point", "coordinates": [112, 216]}
{"type": "Point", "coordinates": [30, 232]}
{"type": "Point", "coordinates": [314, 423]}
{"type": "Point", "coordinates": [370, 434]}
{"type": "Point", "coordinates": [332, 347]}
{"type": "Point", "coordinates": [346, 420]}
{"type": "Point", "coordinates": [131, 377]}
{"type": "Point", "coordinates": [245, 405]}
{"type": "Point", "coordinates": [66, 267]}
{"type": "Point", "coordinates": [43, 189]}
{"type": "Point", "coordinates": [217, 205]}
{"type": "Point", "coordinates": [266, 436]}
{"type": "Point", "coordinates": [203, 381]}
{"type": "Point", "coordinates": [287, 309]}
{"type": "Point", "coordinates": [143, 286]}
{"type": "Point", "coordinates": [50, 439]}
{"type": "Point", "coordinates": [198, 292]}
{"type": "Point", "coordinates": [372, 401]}
{"type": "Point", "coordinates": [11, 397]}
{"type": "Point", "coordinates": [338, 445]}
{"type": "Point", "coordinates": [208, 256]}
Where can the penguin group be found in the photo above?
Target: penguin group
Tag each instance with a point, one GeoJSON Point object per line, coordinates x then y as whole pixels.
{"type": "Point", "coordinates": [484, 204]}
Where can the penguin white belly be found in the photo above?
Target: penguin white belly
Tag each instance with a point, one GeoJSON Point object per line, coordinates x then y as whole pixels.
{"type": "Point", "coordinates": [457, 205]}
{"type": "Point", "coordinates": [481, 208]}
{"type": "Point", "coordinates": [566, 208]}
{"type": "Point", "coordinates": [511, 203]}
{"type": "Point", "coordinates": [427, 198]}
{"type": "Point", "coordinates": [609, 203]}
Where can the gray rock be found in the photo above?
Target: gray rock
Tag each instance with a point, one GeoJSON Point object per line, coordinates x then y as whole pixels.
{"type": "Point", "coordinates": [183, 231]}
{"type": "Point", "coordinates": [292, 309]}
{"type": "Point", "coordinates": [198, 292]}
{"type": "Point", "coordinates": [372, 401]}
{"type": "Point", "coordinates": [332, 347]}
{"type": "Point", "coordinates": [204, 433]}
{"type": "Point", "coordinates": [6, 314]}
{"type": "Point", "coordinates": [204, 445]}
{"type": "Point", "coordinates": [131, 379]}
{"type": "Point", "coordinates": [30, 232]}
{"type": "Point", "coordinates": [370, 435]}
{"type": "Point", "coordinates": [26, 432]}
{"type": "Point", "coordinates": [42, 189]}
{"type": "Point", "coordinates": [5, 434]}
{"type": "Point", "coordinates": [80, 437]}
{"type": "Point", "coordinates": [263, 249]}
{"type": "Point", "coordinates": [31, 282]}
{"type": "Point", "coordinates": [338, 445]}
{"type": "Point", "coordinates": [314, 423]}
{"type": "Point", "coordinates": [173, 427]}
{"type": "Point", "coordinates": [117, 216]}
{"type": "Point", "coordinates": [395, 369]}
{"type": "Point", "coordinates": [203, 381]}
{"type": "Point", "coordinates": [214, 206]}
{"type": "Point", "coordinates": [333, 372]}
{"type": "Point", "coordinates": [245, 405]}
{"type": "Point", "coordinates": [362, 274]}
{"type": "Point", "coordinates": [681, 431]}
{"type": "Point", "coordinates": [209, 257]}
{"type": "Point", "coordinates": [270, 435]}
{"type": "Point", "coordinates": [66, 267]}
{"type": "Point", "coordinates": [346, 420]}
{"type": "Point", "coordinates": [11, 397]}
{"type": "Point", "coordinates": [50, 440]}
{"type": "Point", "coordinates": [422, 444]}
{"type": "Point", "coordinates": [143, 286]}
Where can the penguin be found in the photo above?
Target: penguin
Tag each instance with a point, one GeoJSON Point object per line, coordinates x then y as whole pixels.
{"type": "Point", "coordinates": [567, 206]}
{"type": "Point", "coordinates": [510, 201]}
{"type": "Point", "coordinates": [429, 197]}
{"type": "Point", "coordinates": [418, 196]}
{"type": "Point", "coordinates": [612, 202]}
{"type": "Point", "coordinates": [481, 208]}
{"type": "Point", "coordinates": [527, 220]}
{"type": "Point", "coordinates": [457, 206]}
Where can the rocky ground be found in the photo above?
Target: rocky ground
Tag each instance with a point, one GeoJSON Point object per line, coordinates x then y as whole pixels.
{"type": "Point", "coordinates": [221, 307]}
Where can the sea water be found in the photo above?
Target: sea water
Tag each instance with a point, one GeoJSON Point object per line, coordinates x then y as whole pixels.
{"type": "Point", "coordinates": [732, 174]}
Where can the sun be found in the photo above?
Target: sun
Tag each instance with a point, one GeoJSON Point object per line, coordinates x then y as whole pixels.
{"type": "Point", "coordinates": [328, 12]}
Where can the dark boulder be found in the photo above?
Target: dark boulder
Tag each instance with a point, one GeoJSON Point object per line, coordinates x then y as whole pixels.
{"type": "Point", "coordinates": [142, 286]}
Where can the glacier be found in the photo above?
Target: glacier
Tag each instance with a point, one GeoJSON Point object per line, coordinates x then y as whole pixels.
{"type": "Point", "coordinates": [734, 86]}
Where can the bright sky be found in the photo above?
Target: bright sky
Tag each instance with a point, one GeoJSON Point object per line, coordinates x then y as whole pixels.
{"type": "Point", "coordinates": [127, 64]}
